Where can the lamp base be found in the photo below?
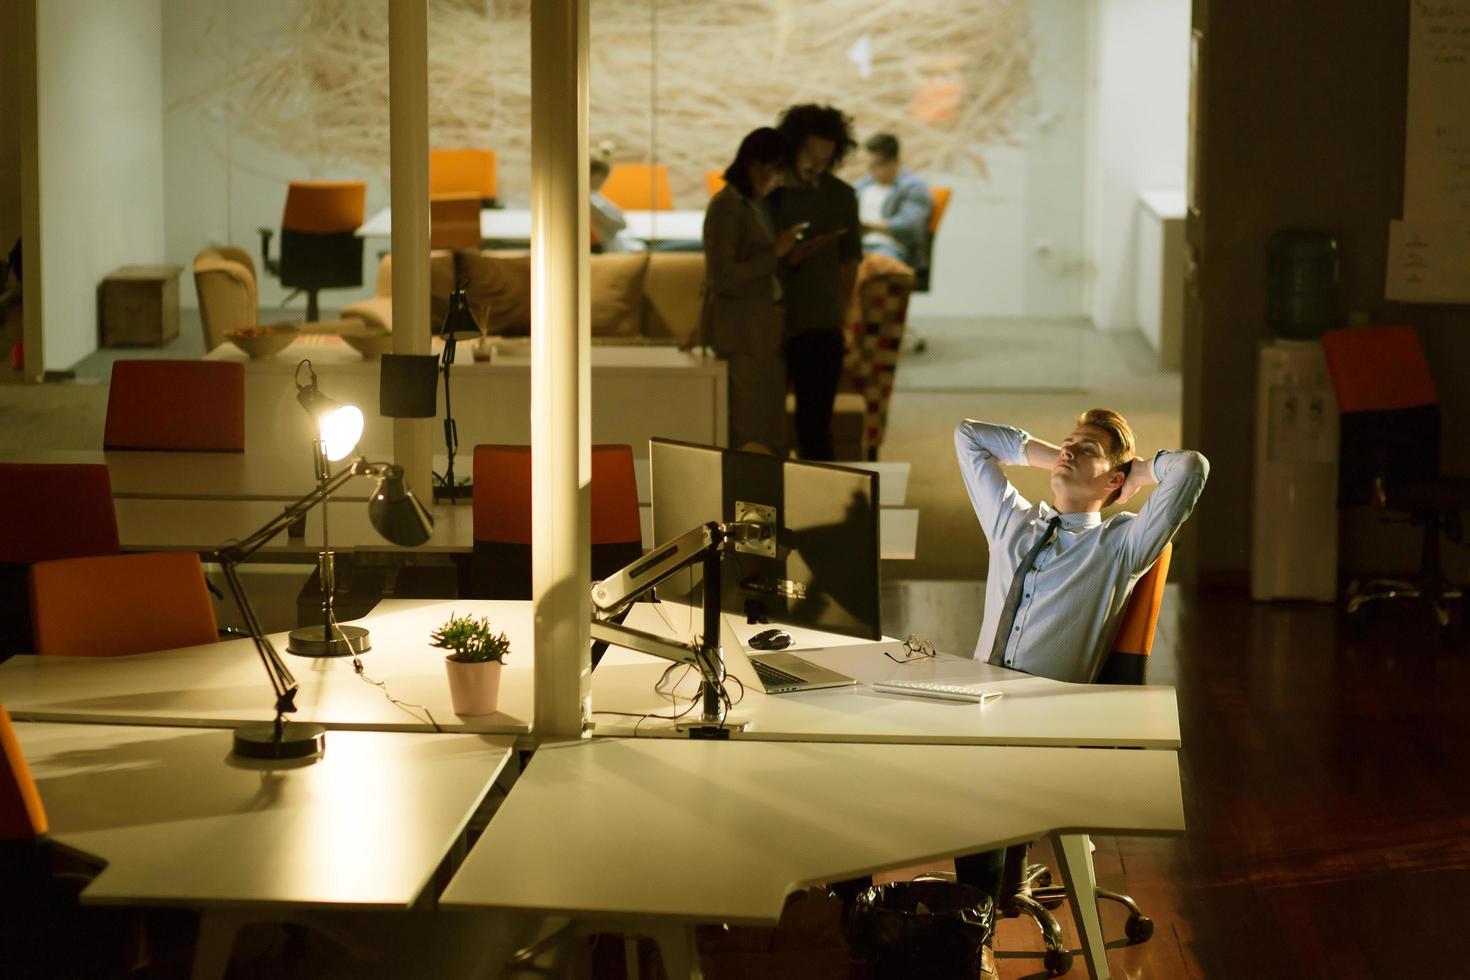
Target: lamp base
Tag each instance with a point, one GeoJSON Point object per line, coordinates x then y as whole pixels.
{"type": "Point", "coordinates": [311, 641]}
{"type": "Point", "coordinates": [297, 740]}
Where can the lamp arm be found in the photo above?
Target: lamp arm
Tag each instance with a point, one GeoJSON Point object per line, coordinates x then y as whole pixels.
{"type": "Point", "coordinates": [239, 551]}
{"type": "Point", "coordinates": [282, 680]}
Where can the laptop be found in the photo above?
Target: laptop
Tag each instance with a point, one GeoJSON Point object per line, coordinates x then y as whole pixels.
{"type": "Point", "coordinates": [776, 672]}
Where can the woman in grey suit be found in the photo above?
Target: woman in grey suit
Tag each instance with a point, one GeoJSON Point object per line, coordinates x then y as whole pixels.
{"type": "Point", "coordinates": [741, 319]}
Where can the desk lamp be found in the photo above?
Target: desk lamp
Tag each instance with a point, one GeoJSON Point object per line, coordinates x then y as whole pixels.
{"type": "Point", "coordinates": [396, 514]}
{"type": "Point", "coordinates": [338, 431]}
{"type": "Point", "coordinates": [459, 324]}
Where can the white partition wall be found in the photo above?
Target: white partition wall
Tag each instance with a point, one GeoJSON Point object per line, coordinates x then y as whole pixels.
{"type": "Point", "coordinates": [99, 97]}
{"type": "Point", "coordinates": [1137, 130]}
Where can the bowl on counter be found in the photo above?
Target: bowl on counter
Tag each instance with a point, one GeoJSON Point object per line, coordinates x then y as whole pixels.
{"type": "Point", "coordinates": [260, 343]}
{"type": "Point", "coordinates": [370, 345]}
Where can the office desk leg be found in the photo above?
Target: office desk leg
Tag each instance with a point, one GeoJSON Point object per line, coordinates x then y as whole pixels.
{"type": "Point", "coordinates": [1074, 855]}
{"type": "Point", "coordinates": [677, 947]}
{"type": "Point", "coordinates": [217, 931]}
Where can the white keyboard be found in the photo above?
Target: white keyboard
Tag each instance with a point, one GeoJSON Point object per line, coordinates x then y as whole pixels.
{"type": "Point", "coordinates": [937, 689]}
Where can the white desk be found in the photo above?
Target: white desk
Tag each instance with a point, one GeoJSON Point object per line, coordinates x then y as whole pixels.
{"type": "Point", "coordinates": [513, 225]}
{"type": "Point", "coordinates": [222, 685]}
{"type": "Point", "coordinates": [1032, 711]}
{"type": "Point", "coordinates": [655, 835]}
{"type": "Point", "coordinates": [148, 524]}
{"type": "Point", "coordinates": [181, 823]}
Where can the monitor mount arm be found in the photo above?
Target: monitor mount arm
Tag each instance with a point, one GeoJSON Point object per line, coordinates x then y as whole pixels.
{"type": "Point", "coordinates": [622, 588]}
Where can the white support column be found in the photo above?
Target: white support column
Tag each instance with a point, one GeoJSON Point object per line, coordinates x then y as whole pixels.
{"type": "Point", "coordinates": [560, 368]}
{"type": "Point", "coordinates": [408, 148]}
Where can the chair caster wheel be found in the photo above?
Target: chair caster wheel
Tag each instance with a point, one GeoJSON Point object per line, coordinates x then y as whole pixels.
{"type": "Point", "coordinates": [1057, 961]}
{"type": "Point", "coordinates": [1043, 880]}
{"type": "Point", "coordinates": [1138, 929]}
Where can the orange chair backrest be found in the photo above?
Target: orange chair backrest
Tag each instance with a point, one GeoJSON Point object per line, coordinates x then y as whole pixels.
{"type": "Point", "coordinates": [56, 510]}
{"type": "Point", "coordinates": [324, 206]}
{"type": "Point", "coordinates": [1141, 617]}
{"type": "Point", "coordinates": [715, 181]}
{"type": "Point", "coordinates": [454, 221]}
{"type": "Point", "coordinates": [21, 815]}
{"type": "Point", "coordinates": [502, 501]}
{"type": "Point", "coordinates": [639, 187]}
{"type": "Point", "coordinates": [940, 196]}
{"type": "Point", "coordinates": [1377, 369]}
{"type": "Point", "coordinates": [463, 172]}
{"type": "Point", "coordinates": [181, 405]}
{"type": "Point", "coordinates": [614, 496]}
{"type": "Point", "coordinates": [120, 604]}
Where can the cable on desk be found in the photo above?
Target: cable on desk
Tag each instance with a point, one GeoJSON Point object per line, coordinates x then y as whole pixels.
{"type": "Point", "coordinates": [404, 706]}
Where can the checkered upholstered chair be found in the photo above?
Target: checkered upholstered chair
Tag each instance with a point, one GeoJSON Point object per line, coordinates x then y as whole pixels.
{"type": "Point", "coordinates": [874, 336]}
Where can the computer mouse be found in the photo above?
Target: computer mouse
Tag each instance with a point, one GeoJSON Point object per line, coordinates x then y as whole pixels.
{"type": "Point", "coordinates": [771, 640]}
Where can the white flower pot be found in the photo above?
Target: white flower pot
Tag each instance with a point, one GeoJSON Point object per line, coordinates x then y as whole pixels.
{"type": "Point", "coordinates": [474, 688]}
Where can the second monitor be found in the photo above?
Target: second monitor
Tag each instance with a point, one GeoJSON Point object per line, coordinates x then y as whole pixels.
{"type": "Point", "coordinates": [823, 571]}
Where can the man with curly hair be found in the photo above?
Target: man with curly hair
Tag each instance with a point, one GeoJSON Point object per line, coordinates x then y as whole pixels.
{"type": "Point", "coordinates": [817, 277]}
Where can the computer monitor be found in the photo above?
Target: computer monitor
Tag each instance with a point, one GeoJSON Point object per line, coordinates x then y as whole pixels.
{"type": "Point", "coordinates": [824, 570]}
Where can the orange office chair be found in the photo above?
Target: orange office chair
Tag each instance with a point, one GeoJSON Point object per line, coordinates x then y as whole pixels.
{"type": "Point", "coordinates": [940, 196]}
{"type": "Point", "coordinates": [639, 187]}
{"type": "Point", "coordinates": [47, 510]}
{"type": "Point", "coordinates": [1390, 418]}
{"type": "Point", "coordinates": [176, 405]}
{"type": "Point", "coordinates": [464, 172]}
{"type": "Point", "coordinates": [501, 564]}
{"type": "Point", "coordinates": [319, 244]}
{"type": "Point", "coordinates": [715, 181]}
{"type": "Point", "coordinates": [454, 221]}
{"type": "Point", "coordinates": [43, 930]}
{"type": "Point", "coordinates": [115, 605]}
{"type": "Point", "coordinates": [1028, 889]}
{"type": "Point", "coordinates": [22, 817]}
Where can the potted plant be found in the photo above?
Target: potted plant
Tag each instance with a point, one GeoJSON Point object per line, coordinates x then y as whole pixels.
{"type": "Point", "coordinates": [478, 653]}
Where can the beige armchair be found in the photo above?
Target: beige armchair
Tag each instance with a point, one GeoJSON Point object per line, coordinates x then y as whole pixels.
{"type": "Point", "coordinates": [224, 278]}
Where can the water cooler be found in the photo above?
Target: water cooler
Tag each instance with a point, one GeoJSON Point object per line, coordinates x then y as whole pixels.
{"type": "Point", "coordinates": [1294, 498]}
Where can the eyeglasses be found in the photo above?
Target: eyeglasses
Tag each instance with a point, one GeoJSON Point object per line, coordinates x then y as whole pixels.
{"type": "Point", "coordinates": [914, 648]}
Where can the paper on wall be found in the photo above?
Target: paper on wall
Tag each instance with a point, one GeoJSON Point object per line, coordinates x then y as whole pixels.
{"type": "Point", "coordinates": [1437, 123]}
{"type": "Point", "coordinates": [1428, 262]}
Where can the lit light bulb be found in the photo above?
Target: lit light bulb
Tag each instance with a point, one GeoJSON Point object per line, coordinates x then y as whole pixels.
{"type": "Point", "coordinates": [341, 430]}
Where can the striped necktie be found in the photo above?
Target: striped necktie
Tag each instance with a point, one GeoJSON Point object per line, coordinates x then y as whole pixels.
{"type": "Point", "coordinates": [1013, 597]}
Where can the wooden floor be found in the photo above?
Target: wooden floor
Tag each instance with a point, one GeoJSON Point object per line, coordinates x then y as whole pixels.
{"type": "Point", "coordinates": [1326, 788]}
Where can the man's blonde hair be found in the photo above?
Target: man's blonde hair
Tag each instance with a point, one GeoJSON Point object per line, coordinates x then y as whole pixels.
{"type": "Point", "coordinates": [1123, 447]}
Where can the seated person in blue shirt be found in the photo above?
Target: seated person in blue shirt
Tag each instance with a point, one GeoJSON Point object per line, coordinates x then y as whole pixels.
{"type": "Point", "coordinates": [1076, 570]}
{"type": "Point", "coordinates": [893, 205]}
{"type": "Point", "coordinates": [1076, 586]}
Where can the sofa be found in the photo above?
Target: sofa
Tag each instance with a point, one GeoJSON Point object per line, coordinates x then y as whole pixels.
{"type": "Point", "coordinates": [637, 297]}
{"type": "Point", "coordinates": [655, 298]}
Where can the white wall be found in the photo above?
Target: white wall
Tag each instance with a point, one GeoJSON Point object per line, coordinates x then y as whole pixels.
{"type": "Point", "coordinates": [1012, 244]}
{"type": "Point", "coordinates": [1137, 138]}
{"type": "Point", "coordinates": [223, 185]}
{"type": "Point", "coordinates": [100, 135]}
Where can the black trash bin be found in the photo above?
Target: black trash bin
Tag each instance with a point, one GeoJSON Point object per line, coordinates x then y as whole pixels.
{"type": "Point", "coordinates": [932, 929]}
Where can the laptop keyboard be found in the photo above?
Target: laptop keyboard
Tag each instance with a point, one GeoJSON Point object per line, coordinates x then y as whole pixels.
{"type": "Point", "coordinates": [775, 676]}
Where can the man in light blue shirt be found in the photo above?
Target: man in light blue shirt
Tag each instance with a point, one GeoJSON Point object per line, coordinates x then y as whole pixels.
{"type": "Point", "coordinates": [1060, 576]}
{"type": "Point", "coordinates": [1061, 617]}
